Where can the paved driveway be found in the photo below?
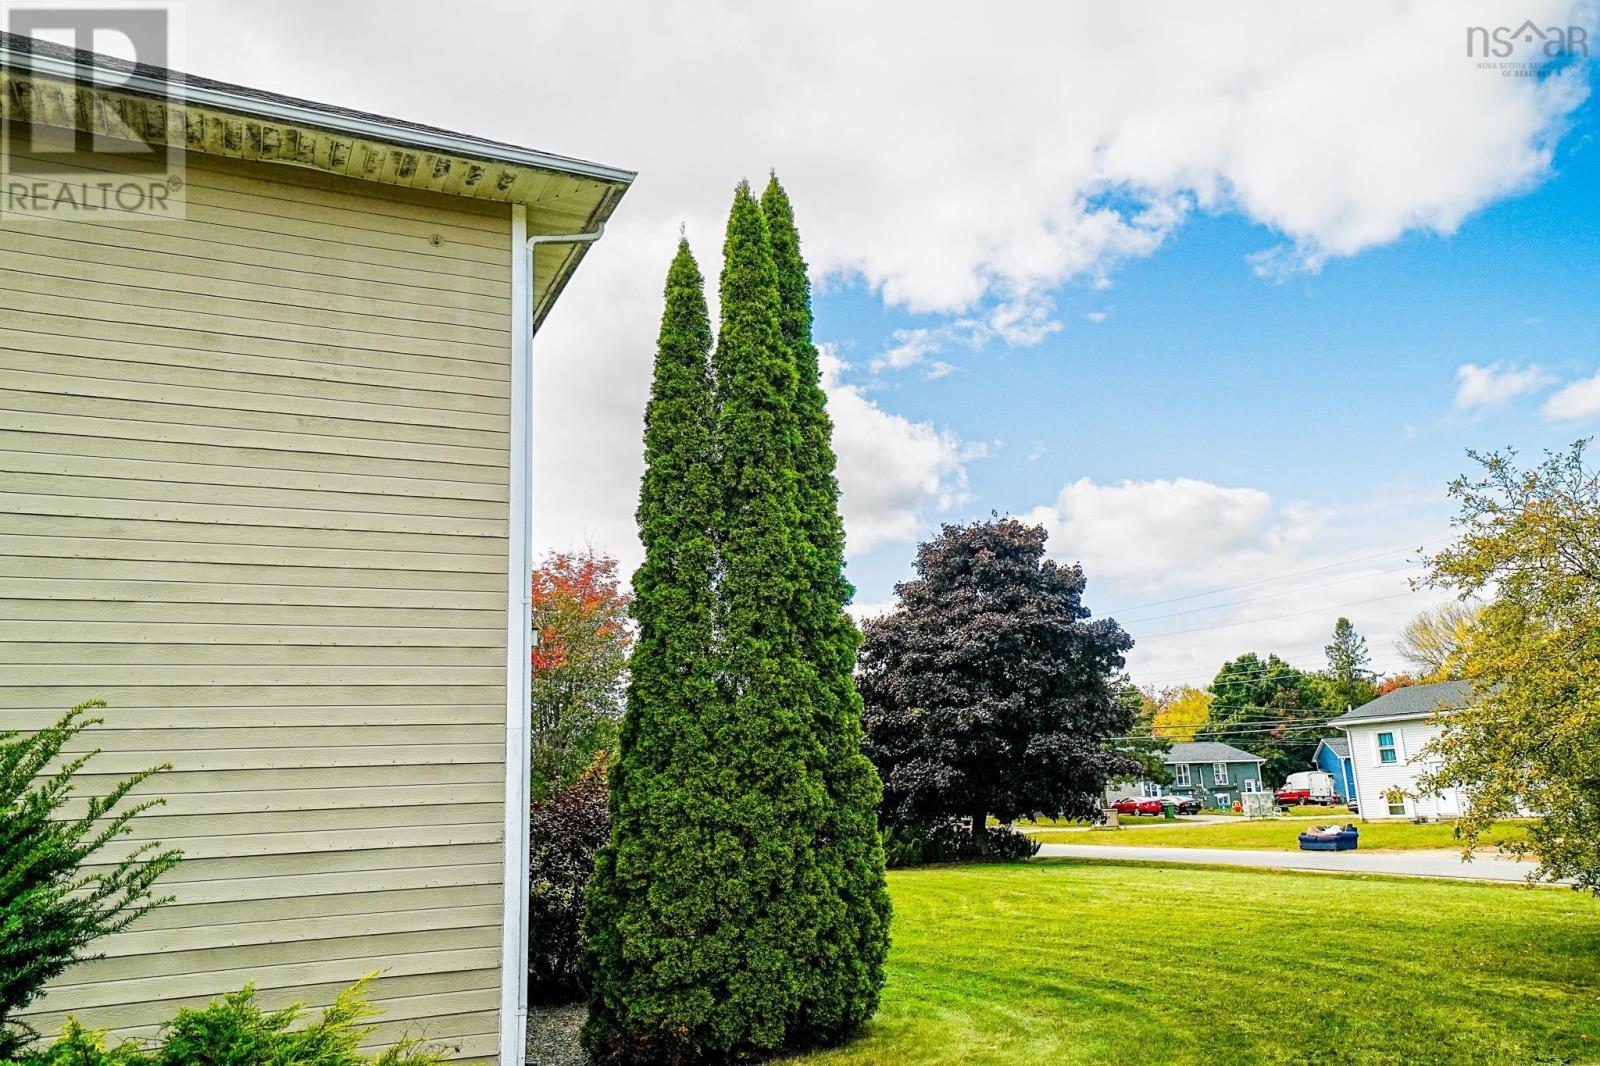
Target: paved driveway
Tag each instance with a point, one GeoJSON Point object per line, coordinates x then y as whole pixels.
{"type": "Point", "coordinates": [1176, 823]}
{"type": "Point", "coordinates": [1445, 863]}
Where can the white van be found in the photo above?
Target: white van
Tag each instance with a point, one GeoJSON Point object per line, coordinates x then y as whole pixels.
{"type": "Point", "coordinates": [1307, 786]}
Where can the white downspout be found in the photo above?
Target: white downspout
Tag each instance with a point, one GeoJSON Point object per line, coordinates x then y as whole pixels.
{"type": "Point", "coordinates": [519, 638]}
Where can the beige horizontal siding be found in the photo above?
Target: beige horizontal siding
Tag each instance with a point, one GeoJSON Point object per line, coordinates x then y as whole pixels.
{"type": "Point", "coordinates": [58, 254]}
{"type": "Point", "coordinates": [74, 334]}
{"type": "Point", "coordinates": [253, 493]}
{"type": "Point", "coordinates": [243, 878]}
{"type": "Point", "coordinates": [279, 391]}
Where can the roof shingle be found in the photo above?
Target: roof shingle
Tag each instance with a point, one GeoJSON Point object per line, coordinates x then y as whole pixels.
{"type": "Point", "coordinates": [1208, 751]}
{"type": "Point", "coordinates": [1410, 702]}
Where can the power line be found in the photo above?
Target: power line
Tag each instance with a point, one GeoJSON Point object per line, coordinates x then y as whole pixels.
{"type": "Point", "coordinates": [1270, 595]}
{"type": "Point", "coordinates": [1299, 727]}
{"type": "Point", "coordinates": [1264, 669]}
{"type": "Point", "coordinates": [1274, 618]}
{"type": "Point", "coordinates": [1278, 577]}
{"type": "Point", "coordinates": [1254, 674]}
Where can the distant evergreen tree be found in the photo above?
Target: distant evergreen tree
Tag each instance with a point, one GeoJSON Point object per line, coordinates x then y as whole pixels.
{"type": "Point", "coordinates": [1350, 681]}
{"type": "Point", "coordinates": [652, 897]}
{"type": "Point", "coordinates": [847, 971]}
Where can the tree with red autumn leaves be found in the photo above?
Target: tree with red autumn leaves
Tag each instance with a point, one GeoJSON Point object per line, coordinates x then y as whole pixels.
{"type": "Point", "coordinates": [580, 660]}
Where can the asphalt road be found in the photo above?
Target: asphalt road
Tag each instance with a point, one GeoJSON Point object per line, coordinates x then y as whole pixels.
{"type": "Point", "coordinates": [1445, 863]}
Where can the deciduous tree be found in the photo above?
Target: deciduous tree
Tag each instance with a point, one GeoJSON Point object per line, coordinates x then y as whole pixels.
{"type": "Point", "coordinates": [1388, 684]}
{"type": "Point", "coordinates": [1269, 708]}
{"type": "Point", "coordinates": [1180, 712]}
{"type": "Point", "coordinates": [1430, 641]}
{"type": "Point", "coordinates": [989, 690]}
{"type": "Point", "coordinates": [579, 664]}
{"type": "Point", "coordinates": [1529, 540]}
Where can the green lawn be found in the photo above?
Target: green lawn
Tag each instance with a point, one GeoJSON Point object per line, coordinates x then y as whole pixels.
{"type": "Point", "coordinates": [1280, 835]}
{"type": "Point", "coordinates": [1124, 819]}
{"type": "Point", "coordinates": [1064, 962]}
{"type": "Point", "coordinates": [1311, 811]}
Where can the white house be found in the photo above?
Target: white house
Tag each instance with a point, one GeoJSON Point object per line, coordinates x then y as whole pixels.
{"type": "Point", "coordinates": [1386, 740]}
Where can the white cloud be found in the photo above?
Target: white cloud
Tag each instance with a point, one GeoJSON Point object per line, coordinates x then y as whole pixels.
{"type": "Point", "coordinates": [863, 611]}
{"type": "Point", "coordinates": [893, 473]}
{"type": "Point", "coordinates": [1074, 138]}
{"type": "Point", "coordinates": [912, 346]}
{"type": "Point", "coordinates": [1136, 531]}
{"type": "Point", "coordinates": [1097, 317]}
{"type": "Point", "coordinates": [1497, 384]}
{"type": "Point", "coordinates": [1021, 322]}
{"type": "Point", "coordinates": [1024, 321]}
{"type": "Point", "coordinates": [1574, 401]}
{"type": "Point", "coordinates": [1199, 573]}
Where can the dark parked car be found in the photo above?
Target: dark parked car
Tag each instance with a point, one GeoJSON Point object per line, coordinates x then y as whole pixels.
{"type": "Point", "coordinates": [1183, 804]}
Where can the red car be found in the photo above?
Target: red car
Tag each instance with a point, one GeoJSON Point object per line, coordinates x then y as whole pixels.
{"type": "Point", "coordinates": [1137, 805]}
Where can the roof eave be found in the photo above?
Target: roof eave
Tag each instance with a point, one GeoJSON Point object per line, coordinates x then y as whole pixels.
{"type": "Point", "coordinates": [289, 111]}
{"type": "Point", "coordinates": [1345, 722]}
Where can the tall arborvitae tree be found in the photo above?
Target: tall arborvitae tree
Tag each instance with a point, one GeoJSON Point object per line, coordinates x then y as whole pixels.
{"type": "Point", "coordinates": [649, 901]}
{"type": "Point", "coordinates": [739, 908]}
{"type": "Point", "coordinates": [773, 806]}
{"type": "Point", "coordinates": [847, 970]}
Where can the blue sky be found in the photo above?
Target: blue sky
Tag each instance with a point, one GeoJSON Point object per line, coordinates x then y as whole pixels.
{"type": "Point", "coordinates": [1330, 388]}
{"type": "Point", "coordinates": [1237, 445]}
{"type": "Point", "coordinates": [1232, 448]}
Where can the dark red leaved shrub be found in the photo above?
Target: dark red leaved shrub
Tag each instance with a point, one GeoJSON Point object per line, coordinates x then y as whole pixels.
{"type": "Point", "coordinates": [567, 829]}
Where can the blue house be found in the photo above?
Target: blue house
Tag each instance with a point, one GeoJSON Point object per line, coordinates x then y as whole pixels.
{"type": "Point", "coordinates": [1333, 758]}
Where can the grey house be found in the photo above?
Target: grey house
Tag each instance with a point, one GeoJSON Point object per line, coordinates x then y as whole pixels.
{"type": "Point", "coordinates": [1214, 772]}
{"type": "Point", "coordinates": [1211, 771]}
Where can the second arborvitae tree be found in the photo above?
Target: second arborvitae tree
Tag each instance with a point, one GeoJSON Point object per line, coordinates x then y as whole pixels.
{"type": "Point", "coordinates": [847, 972]}
{"type": "Point", "coordinates": [739, 909]}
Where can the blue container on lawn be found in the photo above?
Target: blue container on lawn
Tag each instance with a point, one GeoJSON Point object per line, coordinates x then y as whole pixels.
{"type": "Point", "coordinates": [1343, 840]}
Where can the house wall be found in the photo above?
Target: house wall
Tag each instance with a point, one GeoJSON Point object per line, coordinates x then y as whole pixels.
{"type": "Point", "coordinates": [1337, 768]}
{"type": "Point", "coordinates": [1375, 778]}
{"type": "Point", "coordinates": [253, 492]}
{"type": "Point", "coordinates": [1203, 780]}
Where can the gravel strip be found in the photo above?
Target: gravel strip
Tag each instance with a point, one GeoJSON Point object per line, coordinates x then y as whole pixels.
{"type": "Point", "coordinates": [553, 1036]}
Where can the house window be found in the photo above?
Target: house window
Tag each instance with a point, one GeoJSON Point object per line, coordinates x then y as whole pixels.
{"type": "Point", "coordinates": [1397, 807]}
{"type": "Point", "coordinates": [1250, 785]}
{"type": "Point", "coordinates": [1386, 750]}
{"type": "Point", "coordinates": [1180, 774]}
{"type": "Point", "coordinates": [1219, 770]}
{"type": "Point", "coordinates": [1149, 790]}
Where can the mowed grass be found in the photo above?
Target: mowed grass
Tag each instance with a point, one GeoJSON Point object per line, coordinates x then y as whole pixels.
{"type": "Point", "coordinates": [1282, 834]}
{"type": "Point", "coordinates": [1308, 811]}
{"type": "Point", "coordinates": [1069, 962]}
{"type": "Point", "coordinates": [1123, 819]}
